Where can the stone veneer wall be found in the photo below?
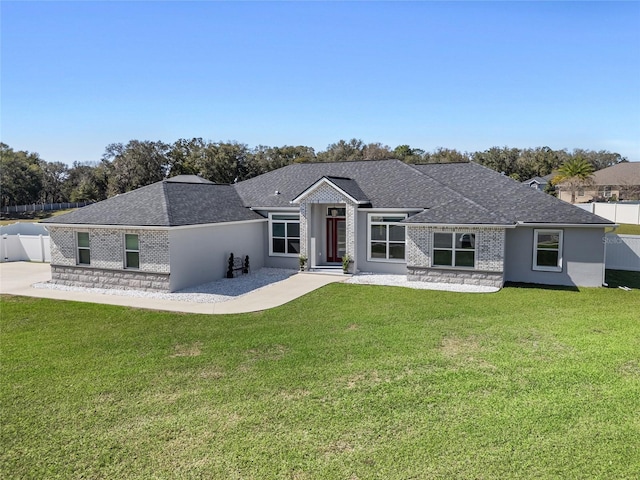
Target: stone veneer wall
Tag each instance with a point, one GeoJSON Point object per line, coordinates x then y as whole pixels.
{"type": "Point", "coordinates": [107, 259]}
{"type": "Point", "coordinates": [78, 276]}
{"type": "Point", "coordinates": [326, 194]}
{"type": "Point", "coordinates": [489, 268]}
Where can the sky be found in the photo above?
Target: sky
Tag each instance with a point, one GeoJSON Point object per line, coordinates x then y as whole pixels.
{"type": "Point", "coordinates": [78, 76]}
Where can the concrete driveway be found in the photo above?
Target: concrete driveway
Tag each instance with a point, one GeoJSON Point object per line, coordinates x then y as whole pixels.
{"type": "Point", "coordinates": [16, 278]}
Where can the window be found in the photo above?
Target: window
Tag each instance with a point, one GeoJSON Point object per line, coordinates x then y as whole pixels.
{"type": "Point", "coordinates": [386, 237]}
{"type": "Point", "coordinates": [131, 251]}
{"type": "Point", "coordinates": [285, 234]}
{"type": "Point", "coordinates": [454, 250]}
{"type": "Point", "coordinates": [336, 212]}
{"type": "Point", "coordinates": [606, 192]}
{"type": "Point", "coordinates": [84, 250]}
{"type": "Point", "coordinates": [581, 192]}
{"type": "Point", "coordinates": [547, 250]}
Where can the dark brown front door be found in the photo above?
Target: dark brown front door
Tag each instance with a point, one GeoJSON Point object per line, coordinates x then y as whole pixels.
{"type": "Point", "coordinates": [336, 239]}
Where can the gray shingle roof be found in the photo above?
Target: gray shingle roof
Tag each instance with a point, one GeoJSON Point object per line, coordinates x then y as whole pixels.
{"type": "Point", "coordinates": [384, 183]}
{"type": "Point", "coordinates": [458, 193]}
{"type": "Point", "coordinates": [459, 212]}
{"type": "Point", "coordinates": [188, 179]}
{"type": "Point", "coordinates": [165, 203]}
{"type": "Point", "coordinates": [506, 197]}
{"type": "Point", "coordinates": [350, 187]}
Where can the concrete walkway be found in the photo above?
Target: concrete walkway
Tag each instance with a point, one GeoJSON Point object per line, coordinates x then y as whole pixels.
{"type": "Point", "coordinates": [16, 278]}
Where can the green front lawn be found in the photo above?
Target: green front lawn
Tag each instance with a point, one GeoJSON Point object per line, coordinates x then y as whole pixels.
{"type": "Point", "coordinates": [346, 382]}
{"type": "Point", "coordinates": [628, 229]}
{"type": "Point", "coordinates": [9, 218]}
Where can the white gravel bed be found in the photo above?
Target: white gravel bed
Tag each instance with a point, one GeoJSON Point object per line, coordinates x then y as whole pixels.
{"type": "Point", "coordinates": [401, 281]}
{"type": "Point", "coordinates": [213, 292]}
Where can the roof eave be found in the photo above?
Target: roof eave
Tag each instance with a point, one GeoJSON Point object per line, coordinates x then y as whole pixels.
{"type": "Point", "coordinates": [556, 224]}
{"type": "Point", "coordinates": [466, 225]}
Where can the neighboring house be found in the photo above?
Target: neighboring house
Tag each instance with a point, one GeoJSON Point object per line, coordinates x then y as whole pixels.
{"type": "Point", "coordinates": [539, 183]}
{"type": "Point", "coordinates": [618, 182]}
{"type": "Point", "coordinates": [455, 223]}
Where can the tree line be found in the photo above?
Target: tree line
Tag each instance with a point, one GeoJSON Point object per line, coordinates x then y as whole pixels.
{"type": "Point", "coordinates": [27, 178]}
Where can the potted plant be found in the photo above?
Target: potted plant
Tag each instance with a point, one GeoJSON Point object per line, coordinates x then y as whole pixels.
{"type": "Point", "coordinates": [346, 262]}
{"type": "Point", "coordinates": [303, 261]}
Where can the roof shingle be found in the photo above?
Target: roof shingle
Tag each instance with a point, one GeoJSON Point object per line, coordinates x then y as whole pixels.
{"type": "Point", "coordinates": [165, 204]}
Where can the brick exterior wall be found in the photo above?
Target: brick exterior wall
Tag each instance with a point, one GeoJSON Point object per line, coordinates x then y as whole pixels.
{"type": "Point", "coordinates": [489, 256]}
{"type": "Point", "coordinates": [326, 194]}
{"type": "Point", "coordinates": [107, 259]}
{"type": "Point", "coordinates": [305, 219]}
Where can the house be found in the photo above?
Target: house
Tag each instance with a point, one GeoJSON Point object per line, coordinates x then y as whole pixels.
{"type": "Point", "coordinates": [618, 182]}
{"type": "Point", "coordinates": [455, 223]}
{"type": "Point", "coordinates": [539, 183]}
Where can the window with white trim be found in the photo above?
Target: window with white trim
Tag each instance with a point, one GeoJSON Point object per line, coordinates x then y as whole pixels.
{"type": "Point", "coordinates": [386, 238]}
{"type": "Point", "coordinates": [284, 230]}
{"type": "Point", "coordinates": [454, 249]}
{"type": "Point", "coordinates": [84, 248]}
{"type": "Point", "coordinates": [131, 251]}
{"type": "Point", "coordinates": [547, 250]}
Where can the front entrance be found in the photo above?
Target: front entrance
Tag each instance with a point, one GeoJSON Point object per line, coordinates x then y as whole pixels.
{"type": "Point", "coordinates": [336, 239]}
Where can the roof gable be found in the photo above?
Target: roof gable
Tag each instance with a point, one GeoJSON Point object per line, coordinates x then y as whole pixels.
{"type": "Point", "coordinates": [383, 183]}
{"type": "Point", "coordinates": [345, 187]}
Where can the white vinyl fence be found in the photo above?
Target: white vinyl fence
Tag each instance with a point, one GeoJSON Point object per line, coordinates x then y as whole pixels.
{"type": "Point", "coordinates": [616, 212]}
{"type": "Point", "coordinates": [37, 207]}
{"type": "Point", "coordinates": [24, 242]}
{"type": "Point", "coordinates": [623, 252]}
{"type": "Point", "coordinates": [32, 248]}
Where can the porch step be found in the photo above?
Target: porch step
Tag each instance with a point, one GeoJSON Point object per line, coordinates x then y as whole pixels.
{"type": "Point", "coordinates": [327, 269]}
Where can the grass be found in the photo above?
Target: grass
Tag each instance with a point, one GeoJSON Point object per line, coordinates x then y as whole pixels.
{"type": "Point", "coordinates": [9, 218]}
{"type": "Point", "coordinates": [347, 382]}
{"type": "Point", "coordinates": [628, 229]}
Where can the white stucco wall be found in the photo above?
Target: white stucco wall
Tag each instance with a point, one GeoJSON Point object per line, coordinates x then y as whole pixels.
{"type": "Point", "coordinates": [200, 254]}
{"type": "Point", "coordinates": [582, 258]}
{"type": "Point", "coordinates": [364, 265]}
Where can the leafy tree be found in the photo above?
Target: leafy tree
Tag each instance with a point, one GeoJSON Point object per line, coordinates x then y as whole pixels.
{"type": "Point", "coordinates": [87, 182]}
{"type": "Point", "coordinates": [408, 154]}
{"type": "Point", "coordinates": [21, 176]}
{"type": "Point", "coordinates": [536, 162]}
{"type": "Point", "coordinates": [224, 162]}
{"type": "Point", "coordinates": [264, 159]}
{"type": "Point", "coordinates": [343, 151]}
{"type": "Point", "coordinates": [600, 159]}
{"type": "Point", "coordinates": [186, 156]}
{"type": "Point", "coordinates": [54, 174]}
{"type": "Point", "coordinates": [501, 160]}
{"type": "Point", "coordinates": [574, 174]}
{"type": "Point", "coordinates": [376, 151]}
{"type": "Point", "coordinates": [446, 155]}
{"type": "Point", "coordinates": [136, 164]}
